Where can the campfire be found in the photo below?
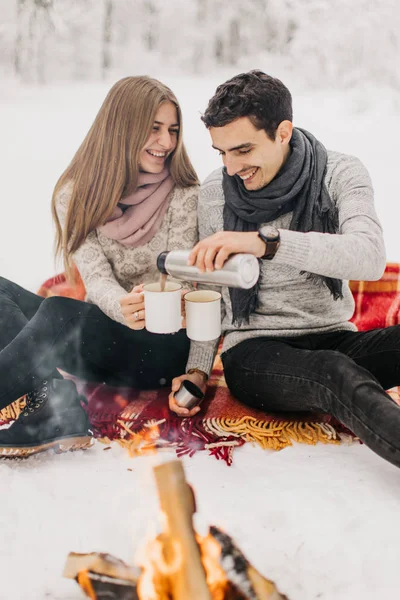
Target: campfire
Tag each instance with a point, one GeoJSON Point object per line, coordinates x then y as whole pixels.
{"type": "Point", "coordinates": [178, 564]}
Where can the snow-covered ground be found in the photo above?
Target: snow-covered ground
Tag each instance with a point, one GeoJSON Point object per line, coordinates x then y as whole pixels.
{"type": "Point", "coordinates": [320, 521]}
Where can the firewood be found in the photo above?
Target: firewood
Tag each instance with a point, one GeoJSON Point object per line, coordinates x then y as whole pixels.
{"type": "Point", "coordinates": [180, 548]}
{"type": "Point", "coordinates": [103, 576]}
{"type": "Point", "coordinates": [101, 587]}
{"type": "Point", "coordinates": [245, 581]}
{"type": "Point", "coordinates": [99, 562]}
{"type": "Point", "coordinates": [178, 564]}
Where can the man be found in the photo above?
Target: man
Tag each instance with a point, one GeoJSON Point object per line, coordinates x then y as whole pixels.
{"type": "Point", "coordinates": [308, 215]}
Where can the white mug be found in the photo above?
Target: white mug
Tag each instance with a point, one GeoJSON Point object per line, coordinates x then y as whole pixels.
{"type": "Point", "coordinates": [203, 315]}
{"type": "Point", "coordinates": [163, 310]}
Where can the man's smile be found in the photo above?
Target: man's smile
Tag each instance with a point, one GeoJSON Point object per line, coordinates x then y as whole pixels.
{"type": "Point", "coordinates": [248, 176]}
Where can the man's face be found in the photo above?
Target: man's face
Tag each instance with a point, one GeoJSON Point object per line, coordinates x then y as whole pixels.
{"type": "Point", "coordinates": [249, 153]}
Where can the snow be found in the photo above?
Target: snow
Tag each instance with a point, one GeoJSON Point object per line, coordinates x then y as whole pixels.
{"type": "Point", "coordinates": [322, 521]}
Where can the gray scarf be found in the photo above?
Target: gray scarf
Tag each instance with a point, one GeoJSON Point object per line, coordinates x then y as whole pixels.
{"type": "Point", "coordinates": [299, 187]}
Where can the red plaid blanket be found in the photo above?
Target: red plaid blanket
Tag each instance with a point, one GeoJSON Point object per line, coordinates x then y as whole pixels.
{"type": "Point", "coordinates": [141, 421]}
{"type": "Point", "coordinates": [377, 302]}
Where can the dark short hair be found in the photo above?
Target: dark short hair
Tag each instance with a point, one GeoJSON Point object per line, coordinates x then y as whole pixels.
{"type": "Point", "coordinates": [265, 100]}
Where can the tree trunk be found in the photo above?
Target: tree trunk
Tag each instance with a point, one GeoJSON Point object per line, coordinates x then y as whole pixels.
{"type": "Point", "coordinates": [19, 37]}
{"type": "Point", "coordinates": [30, 72]}
{"type": "Point", "coordinates": [107, 37]}
{"type": "Point", "coordinates": [150, 38]}
{"type": "Point", "coordinates": [234, 41]}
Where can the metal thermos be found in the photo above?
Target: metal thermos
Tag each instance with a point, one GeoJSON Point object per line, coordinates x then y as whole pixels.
{"type": "Point", "coordinates": [239, 271]}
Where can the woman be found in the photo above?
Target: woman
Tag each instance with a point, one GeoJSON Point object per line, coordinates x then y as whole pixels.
{"type": "Point", "coordinates": [129, 193]}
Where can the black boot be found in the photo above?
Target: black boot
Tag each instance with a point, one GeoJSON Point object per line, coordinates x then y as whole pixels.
{"type": "Point", "coordinates": [53, 418]}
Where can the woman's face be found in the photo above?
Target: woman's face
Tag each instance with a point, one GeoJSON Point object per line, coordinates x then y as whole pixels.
{"type": "Point", "coordinates": [162, 141]}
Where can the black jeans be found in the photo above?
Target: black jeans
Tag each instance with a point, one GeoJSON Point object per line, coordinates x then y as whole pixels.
{"type": "Point", "coordinates": [38, 335]}
{"type": "Point", "coordinates": [344, 373]}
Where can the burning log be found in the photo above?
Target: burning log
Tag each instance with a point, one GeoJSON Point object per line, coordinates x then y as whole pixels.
{"type": "Point", "coordinates": [180, 549]}
{"type": "Point", "coordinates": [178, 564]}
{"type": "Point", "coordinates": [243, 582]}
{"type": "Point", "coordinates": [103, 576]}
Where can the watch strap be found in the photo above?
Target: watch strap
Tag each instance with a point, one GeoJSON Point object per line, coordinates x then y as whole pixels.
{"type": "Point", "coordinates": [271, 244]}
{"type": "Point", "coordinates": [270, 249]}
{"type": "Point", "coordinates": [205, 376]}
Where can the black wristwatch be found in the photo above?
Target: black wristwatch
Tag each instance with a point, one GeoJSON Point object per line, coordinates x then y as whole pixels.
{"type": "Point", "coordinates": [271, 236]}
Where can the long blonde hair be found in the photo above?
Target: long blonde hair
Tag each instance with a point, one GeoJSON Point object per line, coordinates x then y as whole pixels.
{"type": "Point", "coordinates": [106, 166]}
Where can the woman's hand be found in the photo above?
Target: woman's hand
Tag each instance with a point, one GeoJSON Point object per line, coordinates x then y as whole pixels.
{"type": "Point", "coordinates": [195, 378]}
{"type": "Point", "coordinates": [132, 307]}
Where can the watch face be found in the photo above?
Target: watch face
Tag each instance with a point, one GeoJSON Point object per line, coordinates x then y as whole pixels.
{"type": "Point", "coordinates": [270, 233]}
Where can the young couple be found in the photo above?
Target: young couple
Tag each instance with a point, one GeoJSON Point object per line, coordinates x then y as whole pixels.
{"type": "Point", "coordinates": [130, 192]}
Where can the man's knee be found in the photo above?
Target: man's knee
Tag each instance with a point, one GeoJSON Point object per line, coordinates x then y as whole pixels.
{"type": "Point", "coordinates": [393, 335]}
{"type": "Point", "coordinates": [335, 367]}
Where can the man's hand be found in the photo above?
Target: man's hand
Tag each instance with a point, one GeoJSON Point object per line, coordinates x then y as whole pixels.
{"type": "Point", "coordinates": [132, 307]}
{"type": "Point", "coordinates": [212, 252]}
{"type": "Point", "coordinates": [195, 378]}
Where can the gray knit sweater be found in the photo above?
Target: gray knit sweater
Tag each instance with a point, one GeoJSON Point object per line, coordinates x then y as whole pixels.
{"type": "Point", "coordinates": [291, 304]}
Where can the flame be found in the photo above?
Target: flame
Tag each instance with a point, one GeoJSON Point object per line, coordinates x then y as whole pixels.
{"type": "Point", "coordinates": [210, 557]}
{"type": "Point", "coordinates": [85, 583]}
{"type": "Point", "coordinates": [156, 572]}
{"type": "Point", "coordinates": [144, 442]}
{"type": "Point", "coordinates": [161, 559]}
{"type": "Point", "coordinates": [154, 582]}
{"type": "Point", "coordinates": [121, 401]}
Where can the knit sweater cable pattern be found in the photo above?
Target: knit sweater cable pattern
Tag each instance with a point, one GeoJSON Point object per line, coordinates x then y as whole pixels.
{"type": "Point", "coordinates": [290, 304]}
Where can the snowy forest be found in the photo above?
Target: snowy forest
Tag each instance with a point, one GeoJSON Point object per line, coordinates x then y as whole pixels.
{"type": "Point", "coordinates": [339, 43]}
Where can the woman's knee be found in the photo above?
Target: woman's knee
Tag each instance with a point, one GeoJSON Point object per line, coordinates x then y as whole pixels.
{"type": "Point", "coordinates": [54, 302]}
{"type": "Point", "coordinates": [63, 308]}
{"type": "Point", "coordinates": [52, 305]}
{"type": "Point", "coordinates": [6, 286]}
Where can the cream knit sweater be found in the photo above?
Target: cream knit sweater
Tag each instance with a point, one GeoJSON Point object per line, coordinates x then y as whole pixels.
{"type": "Point", "coordinates": [109, 270]}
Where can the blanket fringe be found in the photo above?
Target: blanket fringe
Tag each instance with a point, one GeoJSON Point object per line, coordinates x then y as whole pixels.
{"type": "Point", "coordinates": [273, 435]}
{"type": "Point", "coordinates": [12, 411]}
{"type": "Point", "coordinates": [219, 436]}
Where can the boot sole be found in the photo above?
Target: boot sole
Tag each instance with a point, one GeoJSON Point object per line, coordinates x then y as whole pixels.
{"type": "Point", "coordinates": [58, 446]}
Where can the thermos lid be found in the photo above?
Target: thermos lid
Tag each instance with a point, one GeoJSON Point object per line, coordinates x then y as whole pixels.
{"type": "Point", "coordinates": [161, 258]}
{"type": "Point", "coordinates": [249, 269]}
{"type": "Point", "coordinates": [188, 394]}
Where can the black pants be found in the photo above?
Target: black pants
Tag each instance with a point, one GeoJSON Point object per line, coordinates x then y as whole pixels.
{"type": "Point", "coordinates": [343, 373]}
{"type": "Point", "coordinates": [38, 335]}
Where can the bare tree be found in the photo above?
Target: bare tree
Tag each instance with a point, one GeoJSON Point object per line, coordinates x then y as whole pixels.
{"type": "Point", "coordinates": [82, 39]}
{"type": "Point", "coordinates": [234, 42]}
{"type": "Point", "coordinates": [19, 37]}
{"type": "Point", "coordinates": [34, 23]}
{"type": "Point", "coordinates": [107, 36]}
{"type": "Point", "coordinates": [150, 24]}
